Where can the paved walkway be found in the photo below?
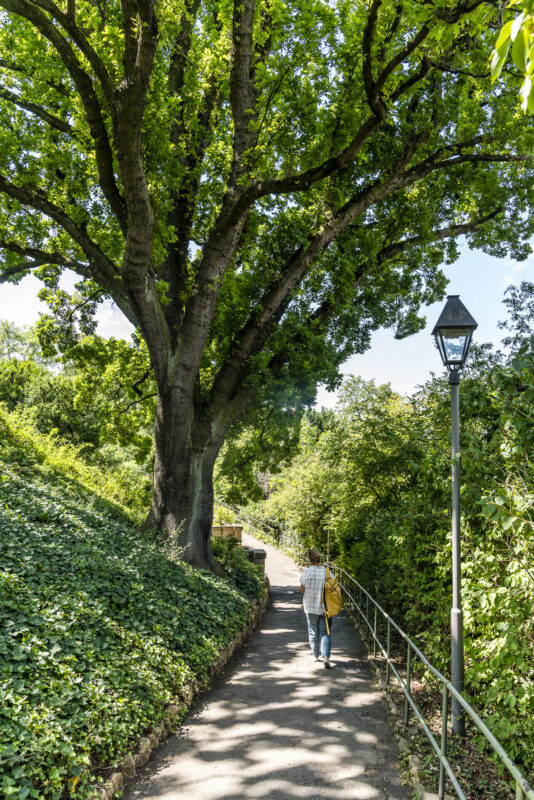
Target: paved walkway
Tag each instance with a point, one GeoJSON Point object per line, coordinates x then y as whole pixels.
{"type": "Point", "coordinates": [278, 726]}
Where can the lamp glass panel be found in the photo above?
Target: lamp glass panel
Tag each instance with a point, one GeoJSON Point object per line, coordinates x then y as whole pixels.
{"type": "Point", "coordinates": [439, 342]}
{"type": "Point", "coordinates": [454, 344]}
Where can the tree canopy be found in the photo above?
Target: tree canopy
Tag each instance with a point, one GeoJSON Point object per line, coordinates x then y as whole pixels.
{"type": "Point", "coordinates": [257, 185]}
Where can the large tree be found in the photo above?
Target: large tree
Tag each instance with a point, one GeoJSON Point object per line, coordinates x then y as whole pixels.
{"type": "Point", "coordinates": [258, 184]}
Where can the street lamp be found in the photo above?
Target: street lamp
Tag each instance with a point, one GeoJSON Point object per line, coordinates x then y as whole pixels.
{"type": "Point", "coordinates": [453, 332]}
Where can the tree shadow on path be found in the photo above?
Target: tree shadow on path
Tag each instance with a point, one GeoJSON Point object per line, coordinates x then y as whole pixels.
{"type": "Point", "coordinates": [279, 726]}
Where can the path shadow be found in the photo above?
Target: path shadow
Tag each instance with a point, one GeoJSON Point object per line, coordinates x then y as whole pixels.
{"type": "Point", "coordinates": [278, 726]}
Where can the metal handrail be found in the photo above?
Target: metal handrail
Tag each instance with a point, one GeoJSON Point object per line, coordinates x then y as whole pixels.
{"type": "Point", "coordinates": [291, 544]}
{"type": "Point", "coordinates": [523, 789]}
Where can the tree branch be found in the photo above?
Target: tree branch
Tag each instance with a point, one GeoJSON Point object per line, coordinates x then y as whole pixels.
{"type": "Point", "coordinates": [18, 269]}
{"type": "Point", "coordinates": [12, 67]}
{"type": "Point", "coordinates": [83, 303]}
{"type": "Point", "coordinates": [140, 32]}
{"type": "Point", "coordinates": [135, 403]}
{"type": "Point", "coordinates": [374, 100]}
{"type": "Point", "coordinates": [442, 68]}
{"type": "Point", "coordinates": [225, 413]}
{"type": "Point", "coordinates": [129, 18]}
{"type": "Point", "coordinates": [182, 47]}
{"type": "Point", "coordinates": [106, 270]}
{"type": "Point", "coordinates": [399, 58]}
{"type": "Point", "coordinates": [140, 41]}
{"type": "Point", "coordinates": [304, 180]}
{"type": "Point", "coordinates": [184, 199]}
{"type": "Point", "coordinates": [50, 119]}
{"type": "Point", "coordinates": [412, 80]}
{"type": "Point", "coordinates": [430, 165]}
{"type": "Point", "coordinates": [41, 257]}
{"type": "Point", "coordinates": [274, 301]}
{"type": "Point", "coordinates": [241, 85]}
{"type": "Point", "coordinates": [88, 97]}
{"type": "Point", "coordinates": [139, 381]}
{"type": "Point", "coordinates": [388, 38]}
{"type": "Point", "coordinates": [321, 317]}
{"type": "Point", "coordinates": [67, 22]}
{"type": "Point", "coordinates": [174, 269]}
{"type": "Point", "coordinates": [255, 333]}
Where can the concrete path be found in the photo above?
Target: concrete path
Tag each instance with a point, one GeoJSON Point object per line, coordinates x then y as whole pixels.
{"type": "Point", "coordinates": [278, 726]}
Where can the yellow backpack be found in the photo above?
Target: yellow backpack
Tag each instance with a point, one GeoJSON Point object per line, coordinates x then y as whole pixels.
{"type": "Point", "coordinates": [332, 596]}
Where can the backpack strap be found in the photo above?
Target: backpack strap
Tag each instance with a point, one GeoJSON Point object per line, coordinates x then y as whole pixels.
{"type": "Point", "coordinates": [327, 576]}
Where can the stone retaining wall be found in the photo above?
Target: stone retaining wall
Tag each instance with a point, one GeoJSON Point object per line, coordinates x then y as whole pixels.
{"type": "Point", "coordinates": [175, 713]}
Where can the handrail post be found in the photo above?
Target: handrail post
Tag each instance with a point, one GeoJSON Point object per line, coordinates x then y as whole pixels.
{"type": "Point", "coordinates": [408, 682]}
{"type": "Point", "coordinates": [374, 633]}
{"type": "Point", "coordinates": [388, 650]}
{"type": "Point", "coordinates": [444, 715]}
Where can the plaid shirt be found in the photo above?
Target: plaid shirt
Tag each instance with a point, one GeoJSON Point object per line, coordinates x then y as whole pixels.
{"type": "Point", "coordinates": [313, 579]}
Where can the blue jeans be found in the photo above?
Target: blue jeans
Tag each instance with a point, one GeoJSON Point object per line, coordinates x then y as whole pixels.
{"type": "Point", "coordinates": [317, 633]}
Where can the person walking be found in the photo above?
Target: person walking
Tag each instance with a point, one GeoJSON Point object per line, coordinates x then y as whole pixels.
{"type": "Point", "coordinates": [312, 583]}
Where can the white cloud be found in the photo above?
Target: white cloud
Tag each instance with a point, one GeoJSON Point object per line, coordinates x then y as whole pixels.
{"type": "Point", "coordinates": [19, 303]}
{"type": "Point", "coordinates": [517, 267]}
{"type": "Point", "coordinates": [112, 322]}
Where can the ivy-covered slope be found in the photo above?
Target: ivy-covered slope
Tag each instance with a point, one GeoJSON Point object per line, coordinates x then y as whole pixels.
{"type": "Point", "coordinates": [100, 628]}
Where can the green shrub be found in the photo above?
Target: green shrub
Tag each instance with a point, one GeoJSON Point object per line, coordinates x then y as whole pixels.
{"type": "Point", "coordinates": [247, 576]}
{"type": "Point", "coordinates": [374, 481]}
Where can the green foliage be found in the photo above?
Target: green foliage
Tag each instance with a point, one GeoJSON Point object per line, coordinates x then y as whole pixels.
{"type": "Point", "coordinates": [516, 38]}
{"type": "Point", "coordinates": [101, 629]}
{"type": "Point", "coordinates": [375, 480]}
{"type": "Point", "coordinates": [247, 576]}
{"type": "Point", "coordinates": [260, 444]}
{"type": "Point", "coordinates": [113, 377]}
{"type": "Point", "coordinates": [519, 301]}
{"type": "Point", "coordinates": [21, 343]}
{"type": "Point", "coordinates": [52, 400]}
{"type": "Point", "coordinates": [103, 392]}
{"type": "Point", "coordinates": [128, 489]}
{"type": "Point", "coordinates": [255, 212]}
{"type": "Point", "coordinates": [17, 380]}
{"type": "Point", "coordinates": [312, 118]}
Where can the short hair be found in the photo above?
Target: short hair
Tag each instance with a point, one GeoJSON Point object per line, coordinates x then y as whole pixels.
{"type": "Point", "coordinates": [314, 555]}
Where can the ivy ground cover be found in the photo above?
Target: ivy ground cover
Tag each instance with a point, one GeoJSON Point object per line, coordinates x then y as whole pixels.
{"type": "Point", "coordinates": [101, 629]}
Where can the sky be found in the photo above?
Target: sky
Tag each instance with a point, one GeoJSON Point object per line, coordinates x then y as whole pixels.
{"type": "Point", "coordinates": [479, 279]}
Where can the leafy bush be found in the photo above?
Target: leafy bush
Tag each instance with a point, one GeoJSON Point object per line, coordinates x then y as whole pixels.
{"type": "Point", "coordinates": [376, 478]}
{"type": "Point", "coordinates": [101, 629]}
{"type": "Point", "coordinates": [247, 576]}
{"type": "Point", "coordinates": [99, 393]}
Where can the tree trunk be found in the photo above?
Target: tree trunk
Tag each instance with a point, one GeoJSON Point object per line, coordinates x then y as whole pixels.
{"type": "Point", "coordinates": [182, 499]}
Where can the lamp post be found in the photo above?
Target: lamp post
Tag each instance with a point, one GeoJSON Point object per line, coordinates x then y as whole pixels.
{"type": "Point", "coordinates": [453, 332]}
